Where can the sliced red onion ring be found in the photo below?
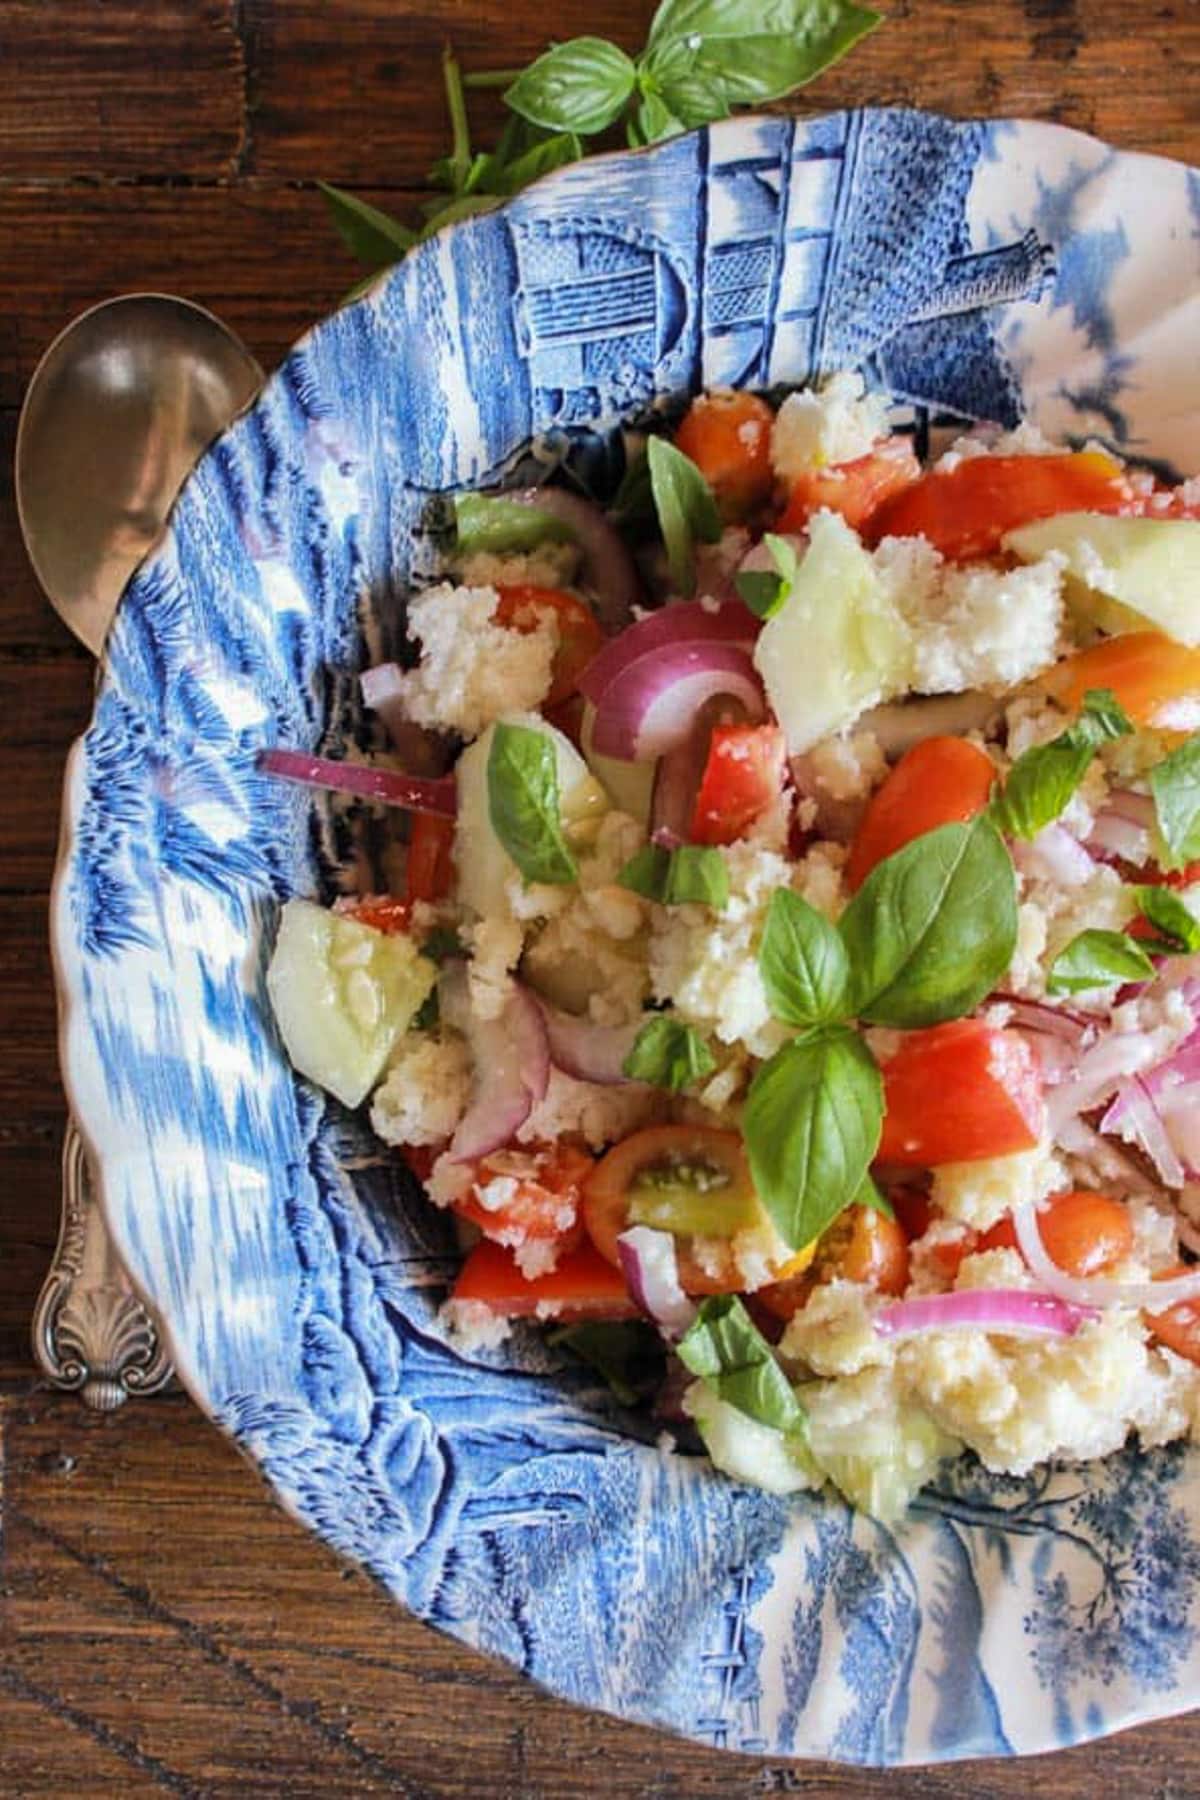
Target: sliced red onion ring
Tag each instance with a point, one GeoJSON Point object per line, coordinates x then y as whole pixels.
{"type": "Point", "coordinates": [1138, 809]}
{"type": "Point", "coordinates": [389, 787]}
{"type": "Point", "coordinates": [1133, 1115]}
{"type": "Point", "coordinates": [1112, 835]}
{"type": "Point", "coordinates": [1013, 1312]}
{"type": "Point", "coordinates": [1054, 855]}
{"type": "Point", "coordinates": [609, 571]}
{"type": "Point", "coordinates": [511, 1060]}
{"type": "Point", "coordinates": [1078, 1290]}
{"type": "Point", "coordinates": [680, 622]}
{"type": "Point", "coordinates": [1051, 1021]}
{"type": "Point", "coordinates": [588, 1051]}
{"type": "Point", "coordinates": [651, 706]}
{"type": "Point", "coordinates": [649, 1265]}
{"type": "Point", "coordinates": [1117, 1054]}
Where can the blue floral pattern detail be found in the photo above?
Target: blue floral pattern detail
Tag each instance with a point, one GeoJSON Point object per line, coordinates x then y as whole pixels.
{"type": "Point", "coordinates": [973, 270]}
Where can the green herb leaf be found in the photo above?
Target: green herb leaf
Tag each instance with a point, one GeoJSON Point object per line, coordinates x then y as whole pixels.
{"type": "Point", "coordinates": [705, 56]}
{"type": "Point", "coordinates": [686, 509]}
{"type": "Point", "coordinates": [1175, 784]}
{"type": "Point", "coordinates": [731, 1356]}
{"type": "Point", "coordinates": [802, 961]}
{"type": "Point", "coordinates": [933, 927]}
{"type": "Point", "coordinates": [811, 1123]}
{"type": "Point", "coordinates": [492, 522]}
{"type": "Point", "coordinates": [1097, 959]}
{"type": "Point", "coordinates": [580, 86]}
{"type": "Point", "coordinates": [697, 875]}
{"type": "Point", "coordinates": [869, 1195]}
{"type": "Point", "coordinates": [646, 872]}
{"type": "Point", "coordinates": [653, 122]}
{"type": "Point", "coordinates": [1042, 780]}
{"type": "Point", "coordinates": [668, 1054]}
{"type": "Point", "coordinates": [629, 1356]}
{"type": "Point", "coordinates": [694, 873]}
{"type": "Point", "coordinates": [764, 590]}
{"type": "Point", "coordinates": [522, 783]}
{"type": "Point", "coordinates": [1171, 916]}
{"type": "Point", "coordinates": [369, 234]}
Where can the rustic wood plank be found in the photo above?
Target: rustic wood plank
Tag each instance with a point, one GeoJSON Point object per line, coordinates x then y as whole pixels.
{"type": "Point", "coordinates": [49, 703]}
{"type": "Point", "coordinates": [383, 121]}
{"type": "Point", "coordinates": [120, 90]}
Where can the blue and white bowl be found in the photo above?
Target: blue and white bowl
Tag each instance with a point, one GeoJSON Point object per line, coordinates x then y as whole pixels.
{"type": "Point", "coordinates": [985, 270]}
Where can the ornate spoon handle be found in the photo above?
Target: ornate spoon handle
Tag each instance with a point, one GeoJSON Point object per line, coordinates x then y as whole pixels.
{"type": "Point", "coordinates": [91, 1333]}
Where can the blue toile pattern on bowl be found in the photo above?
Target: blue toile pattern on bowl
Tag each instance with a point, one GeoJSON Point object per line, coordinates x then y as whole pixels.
{"type": "Point", "coordinates": [981, 270]}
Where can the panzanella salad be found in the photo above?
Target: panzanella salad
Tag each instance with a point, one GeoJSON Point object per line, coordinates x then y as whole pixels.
{"type": "Point", "coordinates": [792, 984]}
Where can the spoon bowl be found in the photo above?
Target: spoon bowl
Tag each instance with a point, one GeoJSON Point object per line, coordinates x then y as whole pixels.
{"type": "Point", "coordinates": [119, 410]}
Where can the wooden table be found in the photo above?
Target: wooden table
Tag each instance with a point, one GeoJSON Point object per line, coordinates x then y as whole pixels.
{"type": "Point", "coordinates": [162, 1625]}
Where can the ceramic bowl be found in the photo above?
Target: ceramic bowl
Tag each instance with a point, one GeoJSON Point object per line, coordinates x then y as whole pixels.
{"type": "Point", "coordinates": [986, 270]}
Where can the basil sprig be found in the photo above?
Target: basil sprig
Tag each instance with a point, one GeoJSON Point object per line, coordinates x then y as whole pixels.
{"type": "Point", "coordinates": [692, 874]}
{"type": "Point", "coordinates": [702, 58]}
{"type": "Point", "coordinates": [1098, 959]}
{"type": "Point", "coordinates": [765, 590]}
{"type": "Point", "coordinates": [926, 937]}
{"type": "Point", "coordinates": [687, 511]}
{"type": "Point", "coordinates": [668, 1054]}
{"type": "Point", "coordinates": [493, 522]}
{"type": "Point", "coordinates": [628, 1355]}
{"type": "Point", "coordinates": [932, 928]}
{"type": "Point", "coordinates": [1175, 784]}
{"type": "Point", "coordinates": [522, 786]}
{"type": "Point", "coordinates": [728, 1352]}
{"type": "Point", "coordinates": [1042, 780]}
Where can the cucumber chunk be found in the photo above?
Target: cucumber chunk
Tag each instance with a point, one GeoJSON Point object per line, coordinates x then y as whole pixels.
{"type": "Point", "coordinates": [1124, 574]}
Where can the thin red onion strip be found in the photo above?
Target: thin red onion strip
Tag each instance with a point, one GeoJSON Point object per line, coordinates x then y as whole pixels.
{"type": "Point", "coordinates": [388, 787]}
{"type": "Point", "coordinates": [1011, 1312]}
{"type": "Point", "coordinates": [650, 1267]}
{"type": "Point", "coordinates": [650, 707]}
{"type": "Point", "coordinates": [587, 1051]}
{"type": "Point", "coordinates": [609, 571]}
{"type": "Point", "coordinates": [680, 622]}
{"type": "Point", "coordinates": [512, 1070]}
{"type": "Point", "coordinates": [1134, 1116]}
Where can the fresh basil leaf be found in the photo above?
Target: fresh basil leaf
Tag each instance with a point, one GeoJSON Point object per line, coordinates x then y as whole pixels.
{"type": "Point", "coordinates": [522, 783]}
{"type": "Point", "coordinates": [731, 1356]}
{"type": "Point", "coordinates": [811, 1123]}
{"type": "Point", "coordinates": [371, 235]}
{"type": "Point", "coordinates": [653, 122]}
{"type": "Point", "coordinates": [493, 523]}
{"type": "Point", "coordinates": [705, 56]}
{"type": "Point", "coordinates": [646, 872]}
{"type": "Point", "coordinates": [1042, 780]}
{"type": "Point", "coordinates": [765, 590]}
{"type": "Point", "coordinates": [693, 874]}
{"type": "Point", "coordinates": [668, 1054]}
{"type": "Point", "coordinates": [933, 927]}
{"type": "Point", "coordinates": [802, 961]}
{"type": "Point", "coordinates": [629, 1356]}
{"type": "Point", "coordinates": [869, 1195]}
{"type": "Point", "coordinates": [505, 172]}
{"type": "Point", "coordinates": [580, 86]}
{"type": "Point", "coordinates": [1098, 959]}
{"type": "Point", "coordinates": [1175, 784]}
{"type": "Point", "coordinates": [633, 503]}
{"type": "Point", "coordinates": [1171, 916]}
{"type": "Point", "coordinates": [697, 875]}
{"type": "Point", "coordinates": [686, 510]}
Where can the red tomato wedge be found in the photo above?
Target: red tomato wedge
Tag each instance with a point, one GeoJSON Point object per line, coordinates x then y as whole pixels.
{"type": "Point", "coordinates": [429, 868]}
{"type": "Point", "coordinates": [742, 778]}
{"type": "Point", "coordinates": [382, 912]}
{"type": "Point", "coordinates": [855, 489]}
{"type": "Point", "coordinates": [1156, 680]}
{"type": "Point", "coordinates": [959, 1092]}
{"type": "Point", "coordinates": [582, 1286]}
{"type": "Point", "coordinates": [940, 781]}
{"type": "Point", "coordinates": [965, 511]}
{"type": "Point", "coordinates": [543, 1202]}
{"type": "Point", "coordinates": [523, 607]}
{"type": "Point", "coordinates": [1084, 1233]}
{"type": "Point", "coordinates": [728, 437]}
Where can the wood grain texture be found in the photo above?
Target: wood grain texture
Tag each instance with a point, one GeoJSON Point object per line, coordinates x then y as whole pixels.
{"type": "Point", "coordinates": [164, 1628]}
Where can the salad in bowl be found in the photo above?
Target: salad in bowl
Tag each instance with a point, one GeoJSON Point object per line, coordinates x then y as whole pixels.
{"type": "Point", "coordinates": [787, 968]}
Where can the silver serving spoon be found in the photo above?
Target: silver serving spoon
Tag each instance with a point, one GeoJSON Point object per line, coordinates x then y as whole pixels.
{"type": "Point", "coordinates": [119, 409]}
